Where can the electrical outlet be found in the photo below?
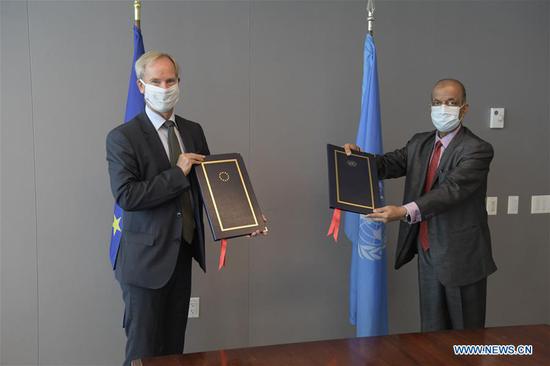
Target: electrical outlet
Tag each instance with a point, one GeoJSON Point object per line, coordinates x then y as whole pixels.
{"type": "Point", "coordinates": [194, 305]}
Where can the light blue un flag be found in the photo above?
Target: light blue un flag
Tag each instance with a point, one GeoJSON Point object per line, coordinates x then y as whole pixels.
{"type": "Point", "coordinates": [134, 106]}
{"type": "Point", "coordinates": [368, 279]}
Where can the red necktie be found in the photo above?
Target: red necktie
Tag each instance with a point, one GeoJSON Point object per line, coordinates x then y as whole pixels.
{"type": "Point", "coordinates": [430, 177]}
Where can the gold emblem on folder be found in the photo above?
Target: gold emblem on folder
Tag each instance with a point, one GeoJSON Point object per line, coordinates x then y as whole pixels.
{"type": "Point", "coordinates": [338, 198]}
{"type": "Point", "coordinates": [224, 176]}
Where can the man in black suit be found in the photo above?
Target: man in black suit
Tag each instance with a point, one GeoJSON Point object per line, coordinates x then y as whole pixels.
{"type": "Point", "coordinates": [444, 219]}
{"type": "Point", "coordinates": [150, 162]}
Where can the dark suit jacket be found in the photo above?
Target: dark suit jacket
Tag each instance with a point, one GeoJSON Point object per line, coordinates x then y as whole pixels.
{"type": "Point", "coordinates": [148, 189]}
{"type": "Point", "coordinates": [460, 242]}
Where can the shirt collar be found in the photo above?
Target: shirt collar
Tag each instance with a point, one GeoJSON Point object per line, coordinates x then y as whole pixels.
{"type": "Point", "coordinates": [446, 140]}
{"type": "Point", "coordinates": [156, 119]}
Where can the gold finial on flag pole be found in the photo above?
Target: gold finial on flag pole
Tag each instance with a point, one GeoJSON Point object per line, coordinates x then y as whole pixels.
{"type": "Point", "coordinates": [370, 16]}
{"type": "Point", "coordinates": [137, 13]}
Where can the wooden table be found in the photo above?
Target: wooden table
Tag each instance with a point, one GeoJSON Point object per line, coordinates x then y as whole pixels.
{"type": "Point", "coordinates": [424, 349]}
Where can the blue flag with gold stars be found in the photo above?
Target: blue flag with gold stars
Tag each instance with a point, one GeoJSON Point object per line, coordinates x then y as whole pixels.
{"type": "Point", "coordinates": [134, 106]}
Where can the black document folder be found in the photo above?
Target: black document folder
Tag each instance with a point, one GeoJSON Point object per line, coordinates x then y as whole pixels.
{"type": "Point", "coordinates": [353, 180]}
{"type": "Point", "coordinates": [231, 205]}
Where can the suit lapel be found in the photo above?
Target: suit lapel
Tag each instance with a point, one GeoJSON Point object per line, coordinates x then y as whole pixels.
{"type": "Point", "coordinates": [186, 137]}
{"type": "Point", "coordinates": [154, 143]}
{"type": "Point", "coordinates": [424, 156]}
{"type": "Point", "coordinates": [455, 142]}
{"type": "Point", "coordinates": [189, 147]}
{"type": "Point", "coordinates": [448, 152]}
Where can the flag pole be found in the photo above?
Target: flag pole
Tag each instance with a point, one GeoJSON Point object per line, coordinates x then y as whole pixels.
{"type": "Point", "coordinates": [370, 17]}
{"type": "Point", "coordinates": [137, 13]}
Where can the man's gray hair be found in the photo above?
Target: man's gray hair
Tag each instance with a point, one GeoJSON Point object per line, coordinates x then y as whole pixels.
{"type": "Point", "coordinates": [152, 56]}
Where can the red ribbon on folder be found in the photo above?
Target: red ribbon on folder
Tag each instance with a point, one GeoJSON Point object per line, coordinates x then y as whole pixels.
{"type": "Point", "coordinates": [223, 252]}
{"type": "Point", "coordinates": [335, 224]}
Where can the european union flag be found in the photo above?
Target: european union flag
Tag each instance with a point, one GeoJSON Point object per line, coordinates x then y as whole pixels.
{"type": "Point", "coordinates": [134, 105]}
{"type": "Point", "coordinates": [368, 277]}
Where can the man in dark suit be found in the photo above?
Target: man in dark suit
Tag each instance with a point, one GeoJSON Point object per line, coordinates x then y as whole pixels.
{"type": "Point", "coordinates": [150, 160]}
{"type": "Point", "coordinates": [444, 219]}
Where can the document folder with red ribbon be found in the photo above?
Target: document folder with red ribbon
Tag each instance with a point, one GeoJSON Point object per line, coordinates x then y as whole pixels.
{"type": "Point", "coordinates": [230, 202]}
{"type": "Point", "coordinates": [353, 180]}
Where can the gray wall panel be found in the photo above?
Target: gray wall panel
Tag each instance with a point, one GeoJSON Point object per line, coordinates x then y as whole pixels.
{"type": "Point", "coordinates": [227, 70]}
{"type": "Point", "coordinates": [299, 103]}
{"type": "Point", "coordinates": [19, 331]}
{"type": "Point", "coordinates": [276, 81]}
{"type": "Point", "coordinates": [480, 45]}
{"type": "Point", "coordinates": [211, 41]}
{"type": "Point", "coordinates": [405, 50]}
{"type": "Point", "coordinates": [80, 60]}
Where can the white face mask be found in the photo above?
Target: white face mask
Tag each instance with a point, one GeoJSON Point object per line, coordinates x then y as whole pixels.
{"type": "Point", "coordinates": [445, 118]}
{"type": "Point", "coordinates": [160, 99]}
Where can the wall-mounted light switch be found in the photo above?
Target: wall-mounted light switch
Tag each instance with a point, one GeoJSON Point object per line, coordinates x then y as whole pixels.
{"type": "Point", "coordinates": [492, 205]}
{"type": "Point", "coordinates": [540, 204]}
{"type": "Point", "coordinates": [513, 203]}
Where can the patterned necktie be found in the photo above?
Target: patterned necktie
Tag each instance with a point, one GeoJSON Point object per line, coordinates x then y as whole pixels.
{"type": "Point", "coordinates": [430, 177]}
{"type": "Point", "coordinates": [175, 151]}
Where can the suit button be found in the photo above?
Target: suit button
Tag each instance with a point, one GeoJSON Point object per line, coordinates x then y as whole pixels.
{"type": "Point", "coordinates": [178, 214]}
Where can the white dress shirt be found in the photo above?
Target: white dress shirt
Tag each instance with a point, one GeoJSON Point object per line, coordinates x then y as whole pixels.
{"type": "Point", "coordinates": [158, 123]}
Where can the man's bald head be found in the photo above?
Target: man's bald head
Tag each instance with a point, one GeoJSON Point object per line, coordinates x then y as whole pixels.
{"type": "Point", "coordinates": [448, 99]}
{"type": "Point", "coordinates": [453, 83]}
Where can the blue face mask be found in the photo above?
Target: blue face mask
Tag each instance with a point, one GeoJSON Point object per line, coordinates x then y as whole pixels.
{"type": "Point", "coordinates": [446, 118]}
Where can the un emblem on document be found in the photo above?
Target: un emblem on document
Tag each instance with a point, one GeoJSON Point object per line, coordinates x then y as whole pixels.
{"type": "Point", "coordinates": [351, 163]}
{"type": "Point", "coordinates": [371, 244]}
